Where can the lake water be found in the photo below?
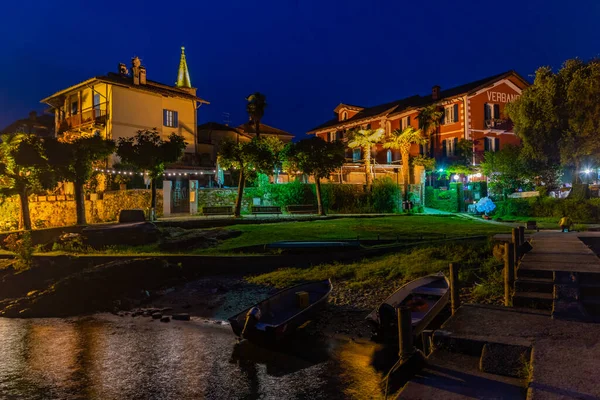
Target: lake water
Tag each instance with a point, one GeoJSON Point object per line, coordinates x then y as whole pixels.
{"type": "Point", "coordinates": [109, 357]}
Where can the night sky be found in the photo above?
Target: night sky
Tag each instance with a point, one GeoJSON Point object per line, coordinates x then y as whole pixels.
{"type": "Point", "coordinates": [306, 56]}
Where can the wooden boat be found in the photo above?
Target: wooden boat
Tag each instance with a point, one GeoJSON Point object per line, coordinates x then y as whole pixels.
{"type": "Point", "coordinates": [425, 296]}
{"type": "Point", "coordinates": [281, 314]}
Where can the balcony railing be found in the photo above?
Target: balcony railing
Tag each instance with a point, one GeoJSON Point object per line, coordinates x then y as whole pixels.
{"type": "Point", "coordinates": [90, 116]}
{"type": "Point", "coordinates": [498, 124]}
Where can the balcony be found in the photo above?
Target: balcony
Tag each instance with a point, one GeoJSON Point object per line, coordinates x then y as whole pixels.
{"type": "Point", "coordinates": [498, 124]}
{"type": "Point", "coordinates": [89, 117]}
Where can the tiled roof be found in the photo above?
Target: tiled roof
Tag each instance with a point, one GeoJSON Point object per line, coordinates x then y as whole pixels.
{"type": "Point", "coordinates": [150, 86]}
{"type": "Point", "coordinates": [416, 101]}
{"type": "Point", "coordinates": [266, 129]}
{"type": "Point", "coordinates": [215, 126]}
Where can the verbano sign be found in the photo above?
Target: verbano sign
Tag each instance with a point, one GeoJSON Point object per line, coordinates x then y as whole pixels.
{"type": "Point", "coordinates": [502, 97]}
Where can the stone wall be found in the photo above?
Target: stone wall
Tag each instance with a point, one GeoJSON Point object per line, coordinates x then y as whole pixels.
{"type": "Point", "coordinates": [221, 197]}
{"type": "Point", "coordinates": [55, 213]}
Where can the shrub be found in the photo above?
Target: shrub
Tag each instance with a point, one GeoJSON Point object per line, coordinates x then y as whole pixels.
{"type": "Point", "coordinates": [385, 195]}
{"type": "Point", "coordinates": [485, 205]}
{"type": "Point", "coordinates": [21, 245]}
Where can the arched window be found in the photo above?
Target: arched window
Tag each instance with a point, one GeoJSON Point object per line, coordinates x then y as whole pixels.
{"type": "Point", "coordinates": [344, 115]}
{"type": "Point", "coordinates": [389, 156]}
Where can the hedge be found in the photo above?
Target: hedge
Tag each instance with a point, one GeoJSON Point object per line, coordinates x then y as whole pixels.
{"type": "Point", "coordinates": [581, 211]}
{"type": "Point", "coordinates": [446, 200]}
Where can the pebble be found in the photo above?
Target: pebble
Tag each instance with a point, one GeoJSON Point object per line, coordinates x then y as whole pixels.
{"type": "Point", "coordinates": [156, 315]}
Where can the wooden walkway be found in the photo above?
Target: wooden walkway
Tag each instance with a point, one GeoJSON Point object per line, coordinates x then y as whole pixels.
{"type": "Point", "coordinates": [557, 251]}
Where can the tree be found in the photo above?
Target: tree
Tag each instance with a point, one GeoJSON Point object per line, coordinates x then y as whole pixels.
{"type": "Point", "coordinates": [402, 140]}
{"type": "Point", "coordinates": [24, 169]}
{"type": "Point", "coordinates": [315, 157]}
{"type": "Point", "coordinates": [365, 139]}
{"type": "Point", "coordinates": [148, 152]}
{"type": "Point", "coordinates": [558, 117]}
{"type": "Point", "coordinates": [257, 102]}
{"type": "Point", "coordinates": [430, 118]}
{"type": "Point", "coordinates": [73, 159]}
{"type": "Point", "coordinates": [249, 158]}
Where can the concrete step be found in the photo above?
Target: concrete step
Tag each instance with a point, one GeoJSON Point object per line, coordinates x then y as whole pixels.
{"type": "Point", "coordinates": [534, 273]}
{"type": "Point", "coordinates": [541, 285]}
{"type": "Point", "coordinates": [452, 376]}
{"type": "Point", "coordinates": [539, 301]}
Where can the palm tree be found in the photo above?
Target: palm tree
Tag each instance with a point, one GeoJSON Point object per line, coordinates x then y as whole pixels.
{"type": "Point", "coordinates": [430, 118]}
{"type": "Point", "coordinates": [257, 102]}
{"type": "Point", "coordinates": [402, 140]}
{"type": "Point", "coordinates": [365, 139]}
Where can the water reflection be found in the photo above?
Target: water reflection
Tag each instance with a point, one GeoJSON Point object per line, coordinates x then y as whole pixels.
{"type": "Point", "coordinates": [108, 357]}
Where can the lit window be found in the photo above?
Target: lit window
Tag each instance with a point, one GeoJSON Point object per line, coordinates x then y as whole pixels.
{"type": "Point", "coordinates": [451, 114]}
{"type": "Point", "coordinates": [389, 156]}
{"type": "Point", "coordinates": [405, 122]}
{"type": "Point", "coordinates": [356, 155]}
{"type": "Point", "coordinates": [170, 118]}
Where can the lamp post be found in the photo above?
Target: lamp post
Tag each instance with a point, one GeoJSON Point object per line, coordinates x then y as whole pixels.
{"type": "Point", "coordinates": [397, 171]}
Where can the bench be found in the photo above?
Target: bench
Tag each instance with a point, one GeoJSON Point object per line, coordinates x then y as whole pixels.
{"type": "Point", "coordinates": [302, 209]}
{"type": "Point", "coordinates": [217, 210]}
{"type": "Point", "coordinates": [265, 210]}
{"type": "Point", "coordinates": [532, 225]}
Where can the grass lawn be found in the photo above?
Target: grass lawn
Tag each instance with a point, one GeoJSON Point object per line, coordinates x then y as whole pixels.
{"type": "Point", "coordinates": [542, 222]}
{"type": "Point", "coordinates": [365, 228]}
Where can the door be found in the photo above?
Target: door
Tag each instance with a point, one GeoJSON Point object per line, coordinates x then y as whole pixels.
{"type": "Point", "coordinates": [180, 196]}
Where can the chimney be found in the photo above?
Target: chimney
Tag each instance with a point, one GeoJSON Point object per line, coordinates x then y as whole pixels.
{"type": "Point", "coordinates": [135, 70]}
{"type": "Point", "coordinates": [123, 69]}
{"type": "Point", "coordinates": [142, 75]}
{"type": "Point", "coordinates": [435, 92]}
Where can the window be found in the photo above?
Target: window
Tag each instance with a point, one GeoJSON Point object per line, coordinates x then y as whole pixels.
{"type": "Point", "coordinates": [331, 137]}
{"type": "Point", "coordinates": [449, 147]}
{"type": "Point", "coordinates": [368, 126]}
{"type": "Point", "coordinates": [170, 118]}
{"type": "Point", "coordinates": [491, 144]}
{"type": "Point", "coordinates": [97, 101]}
{"type": "Point", "coordinates": [344, 115]}
{"type": "Point", "coordinates": [389, 157]}
{"type": "Point", "coordinates": [74, 107]}
{"type": "Point", "coordinates": [451, 114]}
{"type": "Point", "coordinates": [491, 113]}
{"type": "Point", "coordinates": [356, 155]}
{"type": "Point", "coordinates": [405, 122]}
{"type": "Point", "coordinates": [339, 135]}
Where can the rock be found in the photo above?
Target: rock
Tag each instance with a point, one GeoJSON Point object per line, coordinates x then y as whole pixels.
{"type": "Point", "coordinates": [166, 309]}
{"type": "Point", "coordinates": [181, 317]}
{"type": "Point", "coordinates": [166, 318]}
{"type": "Point", "coordinates": [156, 315]}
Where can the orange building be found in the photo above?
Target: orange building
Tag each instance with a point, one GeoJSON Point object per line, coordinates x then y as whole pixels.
{"type": "Point", "coordinates": [474, 111]}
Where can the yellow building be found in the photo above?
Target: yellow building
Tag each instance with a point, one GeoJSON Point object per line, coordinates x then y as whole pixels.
{"type": "Point", "coordinates": [117, 105]}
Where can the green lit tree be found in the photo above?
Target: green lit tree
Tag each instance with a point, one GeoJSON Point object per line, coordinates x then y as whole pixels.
{"type": "Point", "coordinates": [403, 140]}
{"type": "Point", "coordinates": [315, 157]}
{"type": "Point", "coordinates": [558, 117]}
{"type": "Point", "coordinates": [148, 152]}
{"type": "Point", "coordinates": [365, 139]}
{"type": "Point", "coordinates": [24, 170]}
{"type": "Point", "coordinates": [257, 102]}
{"type": "Point", "coordinates": [248, 158]}
{"type": "Point", "coordinates": [73, 158]}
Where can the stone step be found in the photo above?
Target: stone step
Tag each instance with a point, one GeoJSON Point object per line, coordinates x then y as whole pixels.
{"type": "Point", "coordinates": [540, 301]}
{"type": "Point", "coordinates": [534, 273]}
{"type": "Point", "coordinates": [452, 376]}
{"type": "Point", "coordinates": [541, 285]}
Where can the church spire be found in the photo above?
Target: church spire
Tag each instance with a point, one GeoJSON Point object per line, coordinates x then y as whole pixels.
{"type": "Point", "coordinates": [183, 76]}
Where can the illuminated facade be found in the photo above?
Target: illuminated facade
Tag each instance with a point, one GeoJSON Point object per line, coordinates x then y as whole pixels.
{"type": "Point", "coordinates": [474, 111]}
{"type": "Point", "coordinates": [117, 105]}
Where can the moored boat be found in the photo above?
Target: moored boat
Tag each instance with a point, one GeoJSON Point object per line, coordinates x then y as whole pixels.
{"type": "Point", "coordinates": [281, 314]}
{"type": "Point", "coordinates": [426, 297]}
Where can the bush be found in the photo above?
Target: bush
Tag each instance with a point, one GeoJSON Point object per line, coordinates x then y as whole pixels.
{"type": "Point", "coordinates": [21, 245]}
{"type": "Point", "coordinates": [581, 211]}
{"type": "Point", "coordinates": [385, 195]}
{"type": "Point", "coordinates": [485, 205]}
{"type": "Point", "coordinates": [445, 200]}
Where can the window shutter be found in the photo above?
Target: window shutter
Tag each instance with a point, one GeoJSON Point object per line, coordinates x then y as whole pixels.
{"type": "Point", "coordinates": [443, 119]}
{"type": "Point", "coordinates": [444, 151]}
{"type": "Point", "coordinates": [486, 144]}
{"type": "Point", "coordinates": [496, 111]}
{"type": "Point", "coordinates": [486, 111]}
{"type": "Point", "coordinates": [175, 119]}
{"type": "Point", "coordinates": [456, 113]}
{"type": "Point", "coordinates": [164, 117]}
{"type": "Point", "coordinates": [497, 144]}
{"type": "Point", "coordinates": [408, 121]}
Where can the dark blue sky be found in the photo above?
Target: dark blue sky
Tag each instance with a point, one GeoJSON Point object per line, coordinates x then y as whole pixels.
{"type": "Point", "coordinates": [306, 56]}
